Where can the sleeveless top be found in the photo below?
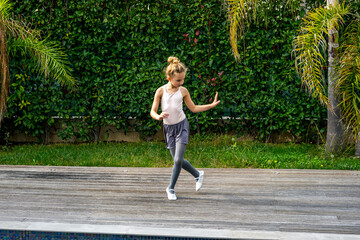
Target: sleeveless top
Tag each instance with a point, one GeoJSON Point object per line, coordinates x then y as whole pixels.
{"type": "Point", "coordinates": [172, 103]}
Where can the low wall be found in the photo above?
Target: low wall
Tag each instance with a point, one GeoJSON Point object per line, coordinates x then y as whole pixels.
{"type": "Point", "coordinates": [107, 134]}
{"type": "Point", "coordinates": [111, 134]}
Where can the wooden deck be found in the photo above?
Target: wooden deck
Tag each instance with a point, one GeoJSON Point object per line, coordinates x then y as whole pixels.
{"type": "Point", "coordinates": [233, 203]}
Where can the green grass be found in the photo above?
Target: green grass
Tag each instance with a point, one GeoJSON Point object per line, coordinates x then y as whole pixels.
{"type": "Point", "coordinates": [216, 152]}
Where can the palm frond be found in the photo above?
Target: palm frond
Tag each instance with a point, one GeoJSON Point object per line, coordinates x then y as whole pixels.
{"type": "Point", "coordinates": [5, 8]}
{"type": "Point", "coordinates": [19, 28]}
{"type": "Point", "coordinates": [243, 12]}
{"type": "Point", "coordinates": [238, 17]}
{"type": "Point", "coordinates": [51, 60]}
{"type": "Point", "coordinates": [294, 6]}
{"type": "Point", "coordinates": [310, 45]}
{"type": "Point", "coordinates": [348, 83]}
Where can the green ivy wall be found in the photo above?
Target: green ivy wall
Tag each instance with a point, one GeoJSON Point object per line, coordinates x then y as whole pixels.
{"type": "Point", "coordinates": [118, 50]}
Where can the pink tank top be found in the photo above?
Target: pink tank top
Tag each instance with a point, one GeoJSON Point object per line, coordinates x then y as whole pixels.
{"type": "Point", "coordinates": [172, 103]}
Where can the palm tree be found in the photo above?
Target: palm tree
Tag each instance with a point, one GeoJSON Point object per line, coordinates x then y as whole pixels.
{"type": "Point", "coordinates": [17, 37]}
{"type": "Point", "coordinates": [343, 69]}
{"type": "Point", "coordinates": [319, 32]}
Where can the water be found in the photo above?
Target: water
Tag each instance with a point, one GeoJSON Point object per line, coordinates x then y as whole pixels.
{"type": "Point", "coordinates": [36, 235]}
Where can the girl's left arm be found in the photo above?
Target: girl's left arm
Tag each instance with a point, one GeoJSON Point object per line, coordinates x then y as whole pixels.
{"type": "Point", "coordinates": [198, 108]}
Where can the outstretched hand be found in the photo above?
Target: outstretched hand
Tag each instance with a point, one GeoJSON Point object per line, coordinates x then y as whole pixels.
{"type": "Point", "coordinates": [216, 101]}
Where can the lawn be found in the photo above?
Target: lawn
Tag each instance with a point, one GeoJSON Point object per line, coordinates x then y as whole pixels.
{"type": "Point", "coordinates": [216, 152]}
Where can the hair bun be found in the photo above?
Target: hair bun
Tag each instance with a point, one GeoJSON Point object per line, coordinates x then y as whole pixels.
{"type": "Point", "coordinates": [175, 66]}
{"type": "Point", "coordinates": [173, 60]}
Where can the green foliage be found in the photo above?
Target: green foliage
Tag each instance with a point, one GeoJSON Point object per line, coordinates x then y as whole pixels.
{"type": "Point", "coordinates": [32, 104]}
{"type": "Point", "coordinates": [17, 37]}
{"type": "Point", "coordinates": [118, 51]}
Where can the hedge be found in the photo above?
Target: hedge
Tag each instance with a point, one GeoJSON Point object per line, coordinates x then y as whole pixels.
{"type": "Point", "coordinates": [119, 49]}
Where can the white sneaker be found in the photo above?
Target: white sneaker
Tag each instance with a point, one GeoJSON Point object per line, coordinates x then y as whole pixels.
{"type": "Point", "coordinates": [171, 196]}
{"type": "Point", "coordinates": [199, 180]}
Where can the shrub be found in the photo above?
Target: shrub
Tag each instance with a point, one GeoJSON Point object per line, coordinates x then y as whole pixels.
{"type": "Point", "coordinates": [118, 50]}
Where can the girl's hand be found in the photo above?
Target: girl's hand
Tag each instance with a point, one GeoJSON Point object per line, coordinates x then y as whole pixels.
{"type": "Point", "coordinates": [163, 115]}
{"type": "Point", "coordinates": [216, 101]}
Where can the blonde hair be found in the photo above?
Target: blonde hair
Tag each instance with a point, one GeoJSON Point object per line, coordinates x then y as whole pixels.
{"type": "Point", "coordinates": [175, 66]}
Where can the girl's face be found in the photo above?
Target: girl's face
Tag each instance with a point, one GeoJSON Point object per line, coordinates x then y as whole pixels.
{"type": "Point", "coordinates": [177, 80]}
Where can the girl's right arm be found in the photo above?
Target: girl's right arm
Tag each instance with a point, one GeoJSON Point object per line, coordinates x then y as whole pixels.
{"type": "Point", "coordinates": [155, 106]}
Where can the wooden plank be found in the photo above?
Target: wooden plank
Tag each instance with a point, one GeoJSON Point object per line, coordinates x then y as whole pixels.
{"type": "Point", "coordinates": [246, 199]}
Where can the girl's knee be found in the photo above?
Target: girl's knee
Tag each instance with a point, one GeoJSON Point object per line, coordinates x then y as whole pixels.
{"type": "Point", "coordinates": [178, 161]}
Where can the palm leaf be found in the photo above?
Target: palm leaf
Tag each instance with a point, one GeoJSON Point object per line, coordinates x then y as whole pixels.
{"type": "Point", "coordinates": [243, 12]}
{"type": "Point", "coordinates": [5, 8]}
{"type": "Point", "coordinates": [238, 17]}
{"type": "Point", "coordinates": [310, 45]}
{"type": "Point", "coordinates": [51, 60]}
{"type": "Point", "coordinates": [348, 84]}
{"type": "Point", "coordinates": [294, 6]}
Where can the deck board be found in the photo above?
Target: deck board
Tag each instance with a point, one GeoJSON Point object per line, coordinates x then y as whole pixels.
{"type": "Point", "coordinates": [265, 200]}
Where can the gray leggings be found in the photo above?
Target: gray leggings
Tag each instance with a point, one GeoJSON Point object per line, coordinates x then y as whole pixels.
{"type": "Point", "coordinates": [179, 162]}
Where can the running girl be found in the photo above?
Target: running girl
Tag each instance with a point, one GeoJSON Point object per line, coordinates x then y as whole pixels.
{"type": "Point", "coordinates": [176, 126]}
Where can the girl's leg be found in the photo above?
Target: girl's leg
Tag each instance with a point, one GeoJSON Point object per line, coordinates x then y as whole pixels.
{"type": "Point", "coordinates": [186, 165]}
{"type": "Point", "coordinates": [179, 162]}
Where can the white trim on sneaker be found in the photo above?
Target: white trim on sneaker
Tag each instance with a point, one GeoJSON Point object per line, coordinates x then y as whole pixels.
{"type": "Point", "coordinates": [171, 196]}
{"type": "Point", "coordinates": [199, 180]}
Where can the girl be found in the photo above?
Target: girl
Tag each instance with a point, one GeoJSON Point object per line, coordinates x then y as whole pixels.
{"type": "Point", "coordinates": [176, 126]}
